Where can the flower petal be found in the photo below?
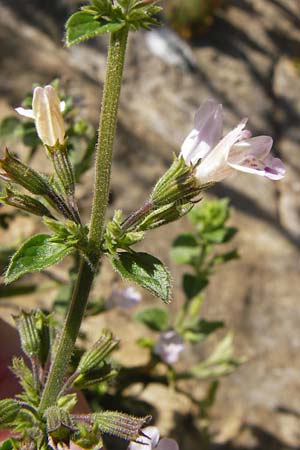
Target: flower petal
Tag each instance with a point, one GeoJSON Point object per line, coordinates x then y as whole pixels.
{"type": "Point", "coordinates": [269, 167]}
{"type": "Point", "coordinates": [153, 434]}
{"type": "Point", "coordinates": [259, 146]}
{"type": "Point", "coordinates": [214, 167]}
{"type": "Point", "coordinates": [123, 297]}
{"type": "Point", "coordinates": [48, 118]}
{"type": "Point", "coordinates": [143, 443]}
{"type": "Point", "coordinates": [167, 444]}
{"type": "Point", "coordinates": [206, 133]}
{"type": "Point", "coordinates": [169, 346]}
{"type": "Point", "coordinates": [25, 112]}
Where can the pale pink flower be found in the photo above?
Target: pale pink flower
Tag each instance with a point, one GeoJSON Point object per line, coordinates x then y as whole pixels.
{"type": "Point", "coordinates": [237, 150]}
{"type": "Point", "coordinates": [169, 346]}
{"type": "Point", "coordinates": [150, 441]}
{"type": "Point", "coordinates": [46, 112]}
{"type": "Point", "coordinates": [123, 297]}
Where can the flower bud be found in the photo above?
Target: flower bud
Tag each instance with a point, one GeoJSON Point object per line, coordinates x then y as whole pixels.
{"type": "Point", "coordinates": [49, 121]}
{"type": "Point", "coordinates": [101, 377]}
{"type": "Point", "coordinates": [33, 329]}
{"type": "Point", "coordinates": [93, 359]}
{"type": "Point", "coordinates": [9, 409]}
{"type": "Point", "coordinates": [119, 424]}
{"type": "Point", "coordinates": [29, 336]}
{"type": "Point", "coordinates": [26, 203]}
{"type": "Point", "coordinates": [19, 173]}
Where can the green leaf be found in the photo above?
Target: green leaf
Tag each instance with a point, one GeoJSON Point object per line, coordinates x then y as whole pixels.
{"type": "Point", "coordinates": [145, 270]}
{"type": "Point", "coordinates": [193, 284]}
{"type": "Point", "coordinates": [210, 215]}
{"type": "Point", "coordinates": [221, 361]}
{"type": "Point", "coordinates": [82, 26]}
{"type": "Point", "coordinates": [29, 135]}
{"type": "Point", "coordinates": [225, 257]}
{"type": "Point", "coordinates": [185, 249]}
{"type": "Point", "coordinates": [145, 342]}
{"type": "Point", "coordinates": [6, 445]}
{"type": "Point", "coordinates": [8, 126]}
{"type": "Point", "coordinates": [102, 6]}
{"type": "Point", "coordinates": [219, 236]}
{"type": "Point", "coordinates": [156, 319]}
{"type": "Point", "coordinates": [34, 255]}
{"type": "Point", "coordinates": [197, 330]}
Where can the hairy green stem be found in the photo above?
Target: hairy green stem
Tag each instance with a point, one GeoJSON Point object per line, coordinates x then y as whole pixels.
{"type": "Point", "coordinates": [68, 337]}
{"type": "Point", "coordinates": [107, 128]}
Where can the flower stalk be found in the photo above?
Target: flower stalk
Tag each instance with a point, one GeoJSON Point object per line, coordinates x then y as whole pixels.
{"type": "Point", "coordinates": [107, 127]}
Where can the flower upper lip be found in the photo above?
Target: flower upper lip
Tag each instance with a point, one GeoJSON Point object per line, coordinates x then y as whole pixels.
{"type": "Point", "coordinates": [46, 112]}
{"type": "Point", "coordinates": [237, 150]}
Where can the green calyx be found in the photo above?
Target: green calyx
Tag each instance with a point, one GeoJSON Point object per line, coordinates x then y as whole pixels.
{"type": "Point", "coordinates": [59, 157]}
{"type": "Point", "coordinates": [14, 171]}
{"type": "Point", "coordinates": [172, 197]}
{"type": "Point", "coordinates": [25, 203]}
{"type": "Point", "coordinates": [59, 425]}
{"type": "Point", "coordinates": [178, 184]}
{"type": "Point", "coordinates": [17, 172]}
{"type": "Point", "coordinates": [94, 358]}
{"type": "Point", "coordinates": [104, 16]}
{"type": "Point", "coordinates": [34, 331]}
{"type": "Point", "coordinates": [9, 409]}
{"type": "Point", "coordinates": [119, 424]}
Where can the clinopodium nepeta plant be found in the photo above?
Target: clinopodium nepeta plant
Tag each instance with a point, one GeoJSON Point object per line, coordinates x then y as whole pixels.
{"type": "Point", "coordinates": [41, 416]}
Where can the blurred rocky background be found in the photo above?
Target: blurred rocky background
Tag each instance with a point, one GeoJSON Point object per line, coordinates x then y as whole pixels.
{"type": "Point", "coordinates": [246, 54]}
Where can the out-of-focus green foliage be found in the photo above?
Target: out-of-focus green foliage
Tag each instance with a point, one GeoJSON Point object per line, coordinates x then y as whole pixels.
{"type": "Point", "coordinates": [191, 17]}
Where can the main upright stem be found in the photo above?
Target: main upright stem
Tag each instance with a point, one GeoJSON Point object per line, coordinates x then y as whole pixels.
{"type": "Point", "coordinates": [107, 128]}
{"type": "Point", "coordinates": [106, 133]}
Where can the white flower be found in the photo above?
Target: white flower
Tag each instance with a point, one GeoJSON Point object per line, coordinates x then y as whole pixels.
{"type": "Point", "coordinates": [150, 441]}
{"type": "Point", "coordinates": [46, 112]}
{"type": "Point", "coordinates": [169, 346]}
{"type": "Point", "coordinates": [237, 150]}
{"type": "Point", "coordinates": [123, 297]}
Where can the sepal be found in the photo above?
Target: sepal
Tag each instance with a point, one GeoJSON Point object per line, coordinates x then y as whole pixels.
{"type": "Point", "coordinates": [33, 328]}
{"type": "Point", "coordinates": [25, 203]}
{"type": "Point", "coordinates": [19, 173]}
{"type": "Point", "coordinates": [101, 377]}
{"type": "Point", "coordinates": [94, 359]}
{"type": "Point", "coordinates": [120, 424]}
{"type": "Point", "coordinates": [59, 156]}
{"type": "Point", "coordinates": [88, 437]}
{"type": "Point", "coordinates": [9, 409]}
{"type": "Point", "coordinates": [59, 426]}
{"type": "Point", "coordinates": [177, 184]}
{"type": "Point", "coordinates": [14, 171]}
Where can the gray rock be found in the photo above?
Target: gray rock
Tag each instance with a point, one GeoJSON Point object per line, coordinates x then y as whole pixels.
{"type": "Point", "coordinates": [246, 62]}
